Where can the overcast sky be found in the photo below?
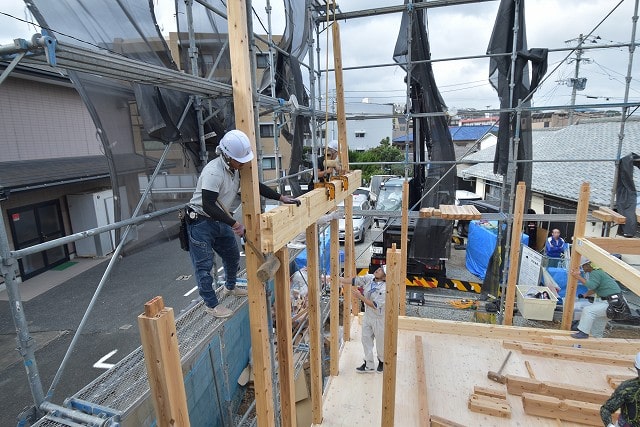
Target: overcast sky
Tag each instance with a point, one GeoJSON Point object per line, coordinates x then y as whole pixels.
{"type": "Point", "coordinates": [454, 31]}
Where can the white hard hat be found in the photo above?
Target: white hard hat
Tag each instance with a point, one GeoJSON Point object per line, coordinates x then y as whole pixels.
{"type": "Point", "coordinates": [638, 360]}
{"type": "Point", "coordinates": [384, 268]}
{"type": "Point", "coordinates": [333, 145]}
{"type": "Point", "coordinates": [236, 145]}
{"type": "Point", "coordinates": [584, 260]}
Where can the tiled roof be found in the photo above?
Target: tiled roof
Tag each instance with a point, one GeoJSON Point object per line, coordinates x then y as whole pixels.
{"type": "Point", "coordinates": [470, 133]}
{"type": "Point", "coordinates": [590, 141]}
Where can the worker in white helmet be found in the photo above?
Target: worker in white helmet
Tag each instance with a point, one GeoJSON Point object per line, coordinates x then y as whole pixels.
{"type": "Point", "coordinates": [626, 397]}
{"type": "Point", "coordinates": [325, 172]}
{"type": "Point", "coordinates": [371, 290]}
{"type": "Point", "coordinates": [211, 227]}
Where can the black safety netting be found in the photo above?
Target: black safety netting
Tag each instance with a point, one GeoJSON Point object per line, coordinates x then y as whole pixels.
{"type": "Point", "coordinates": [432, 140]}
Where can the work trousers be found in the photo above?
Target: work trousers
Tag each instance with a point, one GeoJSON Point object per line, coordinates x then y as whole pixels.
{"type": "Point", "coordinates": [205, 237]}
{"type": "Point", "coordinates": [372, 330]}
{"type": "Point", "coordinates": [592, 312]}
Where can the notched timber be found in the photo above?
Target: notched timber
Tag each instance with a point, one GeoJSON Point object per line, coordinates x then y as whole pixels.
{"type": "Point", "coordinates": [566, 410]}
{"type": "Point", "coordinates": [570, 353]}
{"type": "Point", "coordinates": [280, 225]}
{"type": "Point", "coordinates": [517, 385]}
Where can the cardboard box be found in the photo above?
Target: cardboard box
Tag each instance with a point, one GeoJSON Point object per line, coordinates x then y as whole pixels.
{"type": "Point", "coordinates": [535, 308]}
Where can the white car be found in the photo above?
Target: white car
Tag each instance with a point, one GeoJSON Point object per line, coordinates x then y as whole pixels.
{"type": "Point", "coordinates": [361, 223]}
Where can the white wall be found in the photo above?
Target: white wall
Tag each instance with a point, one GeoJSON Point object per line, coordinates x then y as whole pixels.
{"type": "Point", "coordinates": [375, 130]}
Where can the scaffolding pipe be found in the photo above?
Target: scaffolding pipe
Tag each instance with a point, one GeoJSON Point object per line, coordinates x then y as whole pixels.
{"type": "Point", "coordinates": [74, 416]}
{"type": "Point", "coordinates": [623, 119]}
{"type": "Point", "coordinates": [408, 105]}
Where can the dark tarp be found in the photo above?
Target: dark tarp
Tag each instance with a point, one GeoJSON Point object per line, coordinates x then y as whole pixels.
{"type": "Point", "coordinates": [431, 238]}
{"type": "Point", "coordinates": [626, 195]}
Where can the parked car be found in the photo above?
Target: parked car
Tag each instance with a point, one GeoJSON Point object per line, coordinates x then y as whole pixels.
{"type": "Point", "coordinates": [363, 194]}
{"type": "Point", "coordinates": [361, 223]}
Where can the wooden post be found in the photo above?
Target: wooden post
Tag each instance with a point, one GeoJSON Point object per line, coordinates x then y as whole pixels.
{"type": "Point", "coordinates": [343, 153]}
{"type": "Point", "coordinates": [334, 323]}
{"type": "Point", "coordinates": [572, 282]}
{"type": "Point", "coordinates": [404, 247]}
{"type": "Point", "coordinates": [315, 327]}
{"type": "Point", "coordinates": [421, 373]}
{"type": "Point", "coordinates": [514, 257]}
{"type": "Point", "coordinates": [284, 344]}
{"type": "Point", "coordinates": [162, 359]}
{"type": "Point", "coordinates": [349, 304]}
{"type": "Point", "coordinates": [394, 258]}
{"type": "Point", "coordinates": [244, 120]}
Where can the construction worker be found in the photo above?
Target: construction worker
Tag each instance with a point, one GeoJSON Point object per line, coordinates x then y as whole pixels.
{"type": "Point", "coordinates": [324, 172]}
{"type": "Point", "coordinates": [626, 397]}
{"type": "Point", "coordinates": [372, 296]}
{"type": "Point", "coordinates": [601, 284]}
{"type": "Point", "coordinates": [211, 227]}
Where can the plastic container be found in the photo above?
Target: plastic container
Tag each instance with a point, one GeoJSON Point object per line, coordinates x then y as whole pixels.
{"type": "Point", "coordinates": [535, 308]}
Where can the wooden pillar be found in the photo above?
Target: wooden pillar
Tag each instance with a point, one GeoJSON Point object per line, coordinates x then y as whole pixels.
{"type": "Point", "coordinates": [162, 359]}
{"type": "Point", "coordinates": [334, 324]}
{"type": "Point", "coordinates": [349, 304]}
{"type": "Point", "coordinates": [404, 247]}
{"type": "Point", "coordinates": [284, 344]}
{"type": "Point", "coordinates": [572, 282]}
{"type": "Point", "coordinates": [421, 373]}
{"type": "Point", "coordinates": [514, 256]}
{"type": "Point", "coordinates": [244, 120]}
{"type": "Point", "coordinates": [343, 153]}
{"type": "Point", "coordinates": [394, 258]}
{"type": "Point", "coordinates": [315, 327]}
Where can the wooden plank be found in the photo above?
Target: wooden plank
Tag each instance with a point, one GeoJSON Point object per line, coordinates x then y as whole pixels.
{"type": "Point", "coordinates": [602, 215]}
{"type": "Point", "coordinates": [343, 153]}
{"type": "Point", "coordinates": [482, 330]}
{"type": "Point", "coordinates": [622, 345]}
{"type": "Point", "coordinates": [615, 380]}
{"type": "Point", "coordinates": [618, 269]}
{"type": "Point", "coordinates": [517, 385]}
{"type": "Point", "coordinates": [315, 327]}
{"type": "Point", "coordinates": [572, 283]}
{"type": "Point", "coordinates": [489, 406]}
{"type": "Point", "coordinates": [404, 247]}
{"type": "Point", "coordinates": [514, 256]}
{"type": "Point", "coordinates": [286, 374]}
{"type": "Point", "coordinates": [394, 258]}
{"type": "Point", "coordinates": [615, 245]}
{"type": "Point", "coordinates": [616, 217]}
{"type": "Point", "coordinates": [423, 401]}
{"type": "Point", "coordinates": [334, 322]}
{"type": "Point", "coordinates": [280, 225]}
{"type": "Point", "coordinates": [437, 421]}
{"type": "Point", "coordinates": [491, 392]}
{"type": "Point", "coordinates": [242, 84]}
{"type": "Point", "coordinates": [350, 304]}
{"type": "Point", "coordinates": [162, 359]}
{"type": "Point", "coordinates": [566, 410]}
{"type": "Point", "coordinates": [570, 353]}
{"type": "Point", "coordinates": [426, 212]}
{"type": "Point", "coordinates": [474, 212]}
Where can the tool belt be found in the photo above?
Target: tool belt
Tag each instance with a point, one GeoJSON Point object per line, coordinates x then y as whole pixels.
{"type": "Point", "coordinates": [183, 233]}
{"type": "Point", "coordinates": [618, 308]}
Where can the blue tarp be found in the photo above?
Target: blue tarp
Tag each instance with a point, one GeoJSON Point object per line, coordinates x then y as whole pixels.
{"type": "Point", "coordinates": [559, 275]}
{"type": "Point", "coordinates": [480, 245]}
{"type": "Point", "coordinates": [324, 257]}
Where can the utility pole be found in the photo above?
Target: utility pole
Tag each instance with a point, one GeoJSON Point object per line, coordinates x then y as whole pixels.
{"type": "Point", "coordinates": [574, 82]}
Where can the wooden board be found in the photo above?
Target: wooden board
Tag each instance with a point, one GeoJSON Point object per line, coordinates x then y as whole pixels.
{"type": "Point", "coordinates": [571, 353]}
{"type": "Point", "coordinates": [514, 253]}
{"type": "Point", "coordinates": [566, 410]}
{"type": "Point", "coordinates": [493, 406]}
{"type": "Point", "coordinates": [617, 245]}
{"type": "Point", "coordinates": [615, 380]}
{"type": "Point", "coordinates": [517, 385]}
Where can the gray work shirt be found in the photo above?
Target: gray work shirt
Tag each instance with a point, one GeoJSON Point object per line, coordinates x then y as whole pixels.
{"type": "Point", "coordinates": [375, 291]}
{"type": "Point", "coordinates": [216, 176]}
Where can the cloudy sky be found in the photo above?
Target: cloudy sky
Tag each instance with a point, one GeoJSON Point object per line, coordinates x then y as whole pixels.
{"type": "Point", "coordinates": [454, 31]}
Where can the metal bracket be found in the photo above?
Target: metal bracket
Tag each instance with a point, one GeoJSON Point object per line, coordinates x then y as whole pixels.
{"type": "Point", "coordinates": [344, 179]}
{"type": "Point", "coordinates": [329, 187]}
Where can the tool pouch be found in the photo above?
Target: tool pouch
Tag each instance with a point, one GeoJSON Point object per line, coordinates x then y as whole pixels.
{"type": "Point", "coordinates": [183, 233]}
{"type": "Point", "coordinates": [618, 308]}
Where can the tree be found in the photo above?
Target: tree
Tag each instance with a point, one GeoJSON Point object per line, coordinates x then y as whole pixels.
{"type": "Point", "coordinates": [382, 154]}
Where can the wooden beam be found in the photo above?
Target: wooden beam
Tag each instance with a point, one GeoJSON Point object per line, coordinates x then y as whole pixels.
{"type": "Point", "coordinates": [162, 360]}
{"type": "Point", "coordinates": [615, 245]}
{"type": "Point", "coordinates": [571, 353]}
{"type": "Point", "coordinates": [514, 256]}
{"type": "Point", "coordinates": [480, 330]}
{"type": "Point", "coordinates": [517, 385]}
{"type": "Point", "coordinates": [566, 410]}
{"type": "Point", "coordinates": [404, 246]}
{"type": "Point", "coordinates": [350, 304]}
{"type": "Point", "coordinates": [394, 258]}
{"type": "Point", "coordinates": [280, 225]}
{"type": "Point", "coordinates": [437, 421]}
{"type": "Point", "coordinates": [286, 374]}
{"type": "Point", "coordinates": [610, 215]}
{"type": "Point", "coordinates": [343, 153]}
{"type": "Point", "coordinates": [491, 392]}
{"type": "Point", "coordinates": [421, 373]}
{"type": "Point", "coordinates": [334, 323]}
{"type": "Point", "coordinates": [615, 380]}
{"type": "Point", "coordinates": [315, 327]}
{"type": "Point", "coordinates": [242, 84]}
{"type": "Point", "coordinates": [622, 345]}
{"type": "Point", "coordinates": [489, 405]}
{"type": "Point", "coordinates": [618, 269]}
{"type": "Point", "coordinates": [572, 283]}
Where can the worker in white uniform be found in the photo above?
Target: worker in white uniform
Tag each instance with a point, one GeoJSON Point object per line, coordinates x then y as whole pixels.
{"type": "Point", "coordinates": [371, 289]}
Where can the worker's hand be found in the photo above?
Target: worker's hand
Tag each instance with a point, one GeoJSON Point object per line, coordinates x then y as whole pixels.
{"type": "Point", "coordinates": [576, 273]}
{"type": "Point", "coordinates": [290, 200]}
{"type": "Point", "coordinates": [238, 229]}
{"type": "Point", "coordinates": [356, 292]}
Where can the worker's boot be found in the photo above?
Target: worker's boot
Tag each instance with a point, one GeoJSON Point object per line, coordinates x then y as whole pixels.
{"type": "Point", "coordinates": [362, 369]}
{"type": "Point", "coordinates": [380, 366]}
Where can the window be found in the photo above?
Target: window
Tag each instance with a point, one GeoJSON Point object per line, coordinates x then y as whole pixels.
{"type": "Point", "coordinates": [266, 130]}
{"type": "Point", "coordinates": [321, 133]}
{"type": "Point", "coordinates": [269, 163]}
{"type": "Point", "coordinates": [492, 191]}
{"type": "Point", "coordinates": [360, 134]}
{"type": "Point", "coordinates": [262, 60]}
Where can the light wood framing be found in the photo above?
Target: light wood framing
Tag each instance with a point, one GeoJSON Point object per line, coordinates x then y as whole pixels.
{"type": "Point", "coordinates": [404, 246]}
{"type": "Point", "coordinates": [514, 256]}
{"type": "Point", "coordinates": [393, 280]}
{"type": "Point", "coordinates": [334, 323]}
{"type": "Point", "coordinates": [315, 327]}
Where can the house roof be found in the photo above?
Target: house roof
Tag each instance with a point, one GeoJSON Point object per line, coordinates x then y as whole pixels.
{"type": "Point", "coordinates": [594, 142]}
{"type": "Point", "coordinates": [470, 133]}
{"type": "Point", "coordinates": [30, 174]}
